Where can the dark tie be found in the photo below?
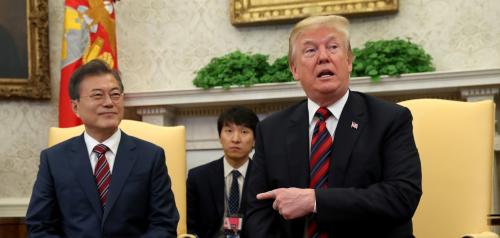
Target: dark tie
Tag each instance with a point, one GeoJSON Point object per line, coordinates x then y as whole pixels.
{"type": "Point", "coordinates": [319, 163]}
{"type": "Point", "coordinates": [102, 173]}
{"type": "Point", "coordinates": [234, 194]}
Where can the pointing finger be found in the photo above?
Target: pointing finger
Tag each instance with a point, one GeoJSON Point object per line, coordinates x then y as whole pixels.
{"type": "Point", "coordinates": [266, 195]}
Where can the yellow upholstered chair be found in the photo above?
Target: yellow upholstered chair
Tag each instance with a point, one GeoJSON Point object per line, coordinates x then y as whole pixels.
{"type": "Point", "coordinates": [171, 139]}
{"type": "Point", "coordinates": [455, 142]}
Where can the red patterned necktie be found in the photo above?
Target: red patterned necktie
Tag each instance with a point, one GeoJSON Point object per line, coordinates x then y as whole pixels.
{"type": "Point", "coordinates": [102, 173]}
{"type": "Point", "coordinates": [319, 163]}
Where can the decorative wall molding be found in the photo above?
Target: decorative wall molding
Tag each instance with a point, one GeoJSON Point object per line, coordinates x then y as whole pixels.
{"type": "Point", "coordinates": [13, 207]}
{"type": "Point", "coordinates": [144, 111]}
{"type": "Point", "coordinates": [160, 115]}
{"type": "Point", "coordinates": [478, 94]}
{"type": "Point", "coordinates": [260, 108]}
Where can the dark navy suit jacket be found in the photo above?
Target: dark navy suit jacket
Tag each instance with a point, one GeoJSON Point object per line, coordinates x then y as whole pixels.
{"type": "Point", "coordinates": [374, 182]}
{"type": "Point", "coordinates": [205, 198]}
{"type": "Point", "coordinates": [65, 200]}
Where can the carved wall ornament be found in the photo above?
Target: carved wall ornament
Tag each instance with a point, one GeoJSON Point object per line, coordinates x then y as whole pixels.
{"type": "Point", "coordinates": [254, 12]}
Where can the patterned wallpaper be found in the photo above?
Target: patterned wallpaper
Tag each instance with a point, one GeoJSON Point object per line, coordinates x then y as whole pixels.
{"type": "Point", "coordinates": [162, 43]}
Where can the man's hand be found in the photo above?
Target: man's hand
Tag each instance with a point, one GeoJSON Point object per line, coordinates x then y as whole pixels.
{"type": "Point", "coordinates": [291, 203]}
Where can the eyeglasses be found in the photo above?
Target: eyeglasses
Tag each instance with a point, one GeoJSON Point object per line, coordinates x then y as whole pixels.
{"type": "Point", "coordinates": [101, 97]}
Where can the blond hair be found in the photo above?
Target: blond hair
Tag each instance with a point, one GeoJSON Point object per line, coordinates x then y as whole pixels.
{"type": "Point", "coordinates": [339, 23]}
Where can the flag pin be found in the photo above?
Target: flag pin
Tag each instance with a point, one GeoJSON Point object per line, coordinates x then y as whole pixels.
{"type": "Point", "coordinates": [354, 125]}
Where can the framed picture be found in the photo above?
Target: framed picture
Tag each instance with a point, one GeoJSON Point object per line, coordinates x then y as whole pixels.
{"type": "Point", "coordinates": [24, 47]}
{"type": "Point", "coordinates": [254, 12]}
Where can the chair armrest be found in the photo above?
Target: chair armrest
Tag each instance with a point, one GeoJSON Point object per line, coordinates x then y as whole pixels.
{"type": "Point", "coordinates": [486, 234]}
{"type": "Point", "coordinates": [186, 236]}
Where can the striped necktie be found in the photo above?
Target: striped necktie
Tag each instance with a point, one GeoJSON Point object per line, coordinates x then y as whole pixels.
{"type": "Point", "coordinates": [319, 163]}
{"type": "Point", "coordinates": [102, 173]}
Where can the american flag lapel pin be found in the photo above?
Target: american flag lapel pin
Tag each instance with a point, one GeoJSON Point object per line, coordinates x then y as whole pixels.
{"type": "Point", "coordinates": [354, 125]}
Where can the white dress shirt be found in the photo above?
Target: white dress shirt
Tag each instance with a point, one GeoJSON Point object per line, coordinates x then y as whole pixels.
{"type": "Point", "coordinates": [332, 121]}
{"type": "Point", "coordinates": [112, 143]}
{"type": "Point", "coordinates": [228, 178]}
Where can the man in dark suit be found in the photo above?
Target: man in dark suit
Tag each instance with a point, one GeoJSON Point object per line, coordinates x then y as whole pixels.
{"type": "Point", "coordinates": [103, 183]}
{"type": "Point", "coordinates": [339, 164]}
{"type": "Point", "coordinates": [216, 191]}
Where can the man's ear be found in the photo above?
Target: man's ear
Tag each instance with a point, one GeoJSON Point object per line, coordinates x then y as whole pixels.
{"type": "Point", "coordinates": [74, 107]}
{"type": "Point", "coordinates": [350, 59]}
{"type": "Point", "coordinates": [294, 71]}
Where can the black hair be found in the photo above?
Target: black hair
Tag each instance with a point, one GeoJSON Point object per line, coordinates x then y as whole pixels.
{"type": "Point", "coordinates": [92, 68]}
{"type": "Point", "coordinates": [238, 115]}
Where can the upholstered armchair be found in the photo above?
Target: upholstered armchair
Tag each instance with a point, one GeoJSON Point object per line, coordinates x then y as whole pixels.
{"type": "Point", "coordinates": [455, 142]}
{"type": "Point", "coordinates": [171, 139]}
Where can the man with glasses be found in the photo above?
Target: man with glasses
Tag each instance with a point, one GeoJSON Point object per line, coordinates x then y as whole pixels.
{"type": "Point", "coordinates": [103, 183]}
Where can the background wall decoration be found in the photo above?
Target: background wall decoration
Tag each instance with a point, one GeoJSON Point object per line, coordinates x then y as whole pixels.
{"type": "Point", "coordinates": [13, 40]}
{"type": "Point", "coordinates": [24, 47]}
{"type": "Point", "coordinates": [162, 43]}
{"type": "Point", "coordinates": [252, 12]}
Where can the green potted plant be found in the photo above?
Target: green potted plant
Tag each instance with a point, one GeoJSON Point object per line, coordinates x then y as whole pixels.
{"type": "Point", "coordinates": [243, 69]}
{"type": "Point", "coordinates": [382, 57]}
{"type": "Point", "coordinates": [390, 57]}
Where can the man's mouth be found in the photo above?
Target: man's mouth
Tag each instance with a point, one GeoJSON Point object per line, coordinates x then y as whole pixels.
{"type": "Point", "coordinates": [107, 113]}
{"type": "Point", "coordinates": [325, 73]}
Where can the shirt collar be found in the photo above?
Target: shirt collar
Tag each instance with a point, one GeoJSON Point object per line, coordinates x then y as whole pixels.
{"type": "Point", "coordinates": [228, 168]}
{"type": "Point", "coordinates": [112, 142]}
{"type": "Point", "coordinates": [335, 108]}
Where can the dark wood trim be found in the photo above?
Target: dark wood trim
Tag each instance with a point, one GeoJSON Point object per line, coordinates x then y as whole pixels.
{"type": "Point", "coordinates": [13, 227]}
{"type": "Point", "coordinates": [494, 220]}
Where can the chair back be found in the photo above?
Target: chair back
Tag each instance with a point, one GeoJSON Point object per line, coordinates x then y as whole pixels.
{"type": "Point", "coordinates": [455, 141]}
{"type": "Point", "coordinates": [171, 139]}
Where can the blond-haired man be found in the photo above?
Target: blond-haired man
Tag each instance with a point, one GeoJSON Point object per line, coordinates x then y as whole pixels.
{"type": "Point", "coordinates": [339, 164]}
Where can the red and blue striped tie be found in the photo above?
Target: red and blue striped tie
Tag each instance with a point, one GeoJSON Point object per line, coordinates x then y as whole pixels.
{"type": "Point", "coordinates": [319, 163]}
{"type": "Point", "coordinates": [102, 173]}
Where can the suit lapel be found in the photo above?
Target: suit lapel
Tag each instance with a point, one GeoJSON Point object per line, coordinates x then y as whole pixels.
{"type": "Point", "coordinates": [80, 164]}
{"type": "Point", "coordinates": [345, 138]}
{"type": "Point", "coordinates": [217, 186]}
{"type": "Point", "coordinates": [124, 161]}
{"type": "Point", "coordinates": [297, 146]}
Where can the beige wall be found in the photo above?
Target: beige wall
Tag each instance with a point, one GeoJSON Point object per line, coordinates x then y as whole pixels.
{"type": "Point", "coordinates": [162, 43]}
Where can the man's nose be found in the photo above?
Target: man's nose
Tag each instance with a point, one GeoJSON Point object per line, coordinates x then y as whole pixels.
{"type": "Point", "coordinates": [236, 137]}
{"type": "Point", "coordinates": [323, 55]}
{"type": "Point", "coordinates": [107, 100]}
